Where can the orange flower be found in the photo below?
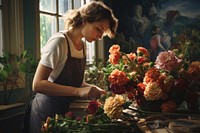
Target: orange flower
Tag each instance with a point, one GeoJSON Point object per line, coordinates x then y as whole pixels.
{"type": "Point", "coordinates": [131, 56]}
{"type": "Point", "coordinates": [128, 57]}
{"type": "Point", "coordinates": [147, 64]}
{"type": "Point", "coordinates": [143, 51]}
{"type": "Point", "coordinates": [118, 77]}
{"type": "Point", "coordinates": [141, 88]}
{"type": "Point", "coordinates": [125, 59]}
{"type": "Point", "coordinates": [166, 82]}
{"type": "Point", "coordinates": [151, 75]}
{"type": "Point", "coordinates": [169, 106]}
{"type": "Point", "coordinates": [141, 60]}
{"type": "Point", "coordinates": [114, 49]}
{"type": "Point", "coordinates": [114, 58]}
{"type": "Point", "coordinates": [193, 72]}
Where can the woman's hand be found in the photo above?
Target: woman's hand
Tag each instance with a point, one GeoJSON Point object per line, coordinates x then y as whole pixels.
{"type": "Point", "coordinates": [91, 92]}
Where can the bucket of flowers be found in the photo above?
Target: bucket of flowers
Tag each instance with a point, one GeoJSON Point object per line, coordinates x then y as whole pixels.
{"type": "Point", "coordinates": [162, 85]}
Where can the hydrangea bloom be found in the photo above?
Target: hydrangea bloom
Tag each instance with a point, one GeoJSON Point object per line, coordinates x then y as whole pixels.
{"type": "Point", "coordinates": [167, 60]}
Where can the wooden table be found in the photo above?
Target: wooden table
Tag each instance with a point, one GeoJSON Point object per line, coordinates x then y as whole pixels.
{"type": "Point", "coordinates": [152, 122]}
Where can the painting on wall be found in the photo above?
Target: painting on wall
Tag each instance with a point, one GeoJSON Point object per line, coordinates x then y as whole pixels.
{"type": "Point", "coordinates": [158, 25]}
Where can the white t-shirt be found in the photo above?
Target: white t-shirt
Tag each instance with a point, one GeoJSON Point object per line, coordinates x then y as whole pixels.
{"type": "Point", "coordinates": [54, 54]}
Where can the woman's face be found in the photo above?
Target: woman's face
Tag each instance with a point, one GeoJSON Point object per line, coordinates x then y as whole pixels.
{"type": "Point", "coordinates": [94, 31]}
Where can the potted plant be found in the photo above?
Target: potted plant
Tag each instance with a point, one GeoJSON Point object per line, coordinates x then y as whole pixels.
{"type": "Point", "coordinates": [14, 71]}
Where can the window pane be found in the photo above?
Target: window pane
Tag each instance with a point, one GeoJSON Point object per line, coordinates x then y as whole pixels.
{"type": "Point", "coordinates": [70, 4]}
{"type": "Point", "coordinates": [1, 38]}
{"type": "Point", "coordinates": [47, 28]}
{"type": "Point", "coordinates": [61, 24]}
{"type": "Point", "coordinates": [63, 6]}
{"type": "Point", "coordinates": [82, 2]}
{"type": "Point", "coordinates": [48, 5]}
{"type": "Point", "coordinates": [77, 4]}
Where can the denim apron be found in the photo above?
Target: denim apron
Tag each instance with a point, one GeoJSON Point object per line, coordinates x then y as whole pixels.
{"type": "Point", "coordinates": [43, 106]}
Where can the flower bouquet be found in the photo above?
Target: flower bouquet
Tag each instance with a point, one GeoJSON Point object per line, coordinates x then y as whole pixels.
{"type": "Point", "coordinates": [103, 115]}
{"type": "Point", "coordinates": [132, 79]}
{"type": "Point", "coordinates": [162, 85]}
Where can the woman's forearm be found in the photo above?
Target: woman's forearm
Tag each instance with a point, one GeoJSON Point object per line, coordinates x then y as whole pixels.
{"type": "Point", "coordinates": [53, 89]}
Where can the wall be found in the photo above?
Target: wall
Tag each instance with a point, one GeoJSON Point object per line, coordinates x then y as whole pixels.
{"type": "Point", "coordinates": [11, 120]}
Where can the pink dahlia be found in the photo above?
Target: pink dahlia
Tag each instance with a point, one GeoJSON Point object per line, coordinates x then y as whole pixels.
{"type": "Point", "coordinates": [167, 60]}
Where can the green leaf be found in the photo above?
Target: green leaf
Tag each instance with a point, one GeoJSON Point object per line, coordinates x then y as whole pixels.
{"type": "Point", "coordinates": [3, 75]}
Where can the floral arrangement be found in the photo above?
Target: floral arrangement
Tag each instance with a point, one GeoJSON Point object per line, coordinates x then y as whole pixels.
{"type": "Point", "coordinates": [132, 79]}
{"type": "Point", "coordinates": [155, 86]}
{"type": "Point", "coordinates": [102, 116]}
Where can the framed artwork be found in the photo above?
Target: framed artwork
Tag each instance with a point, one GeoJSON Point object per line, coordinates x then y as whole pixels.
{"type": "Point", "coordinates": [158, 25]}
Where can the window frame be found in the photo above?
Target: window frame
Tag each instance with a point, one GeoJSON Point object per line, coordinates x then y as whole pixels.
{"type": "Point", "coordinates": [38, 45]}
{"type": "Point", "coordinates": [98, 45]}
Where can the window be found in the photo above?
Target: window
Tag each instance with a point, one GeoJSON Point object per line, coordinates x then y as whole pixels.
{"type": "Point", "coordinates": [11, 26]}
{"type": "Point", "coordinates": [50, 20]}
{"type": "Point", "coordinates": [11, 29]}
{"type": "Point", "coordinates": [50, 12]}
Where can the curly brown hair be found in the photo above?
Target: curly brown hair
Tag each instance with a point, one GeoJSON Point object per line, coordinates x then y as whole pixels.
{"type": "Point", "coordinates": [92, 12]}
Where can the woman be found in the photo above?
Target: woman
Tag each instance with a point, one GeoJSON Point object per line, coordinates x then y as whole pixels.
{"type": "Point", "coordinates": [155, 43]}
{"type": "Point", "coordinates": [59, 76]}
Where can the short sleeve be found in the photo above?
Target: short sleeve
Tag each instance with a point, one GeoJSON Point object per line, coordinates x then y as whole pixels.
{"type": "Point", "coordinates": [53, 52]}
{"type": "Point", "coordinates": [49, 59]}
